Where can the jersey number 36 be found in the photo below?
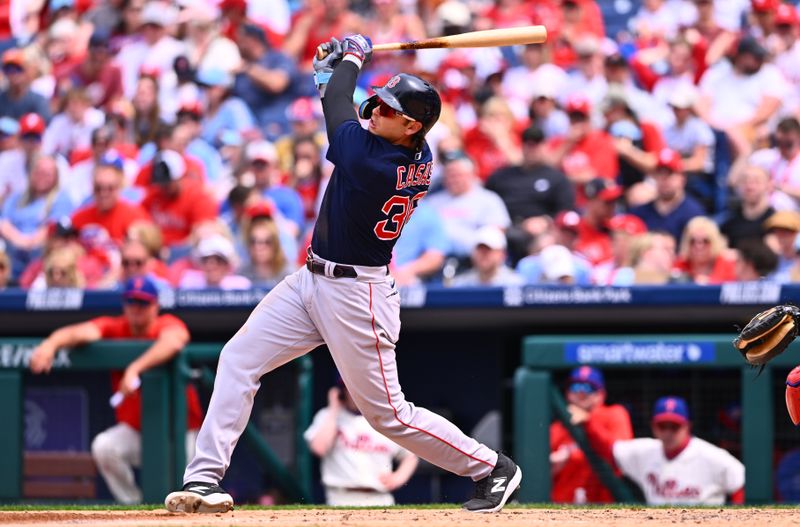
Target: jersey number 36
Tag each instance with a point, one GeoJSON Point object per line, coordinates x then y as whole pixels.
{"type": "Point", "coordinates": [398, 209]}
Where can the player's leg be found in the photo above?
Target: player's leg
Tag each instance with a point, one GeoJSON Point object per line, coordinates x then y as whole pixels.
{"type": "Point", "coordinates": [277, 331]}
{"type": "Point", "coordinates": [360, 323]}
{"type": "Point", "coordinates": [116, 451]}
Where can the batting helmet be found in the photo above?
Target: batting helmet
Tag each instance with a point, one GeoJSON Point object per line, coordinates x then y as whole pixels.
{"type": "Point", "coordinates": [408, 95]}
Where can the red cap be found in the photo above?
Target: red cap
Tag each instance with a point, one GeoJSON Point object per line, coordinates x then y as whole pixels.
{"type": "Point", "coordinates": [31, 123]}
{"type": "Point", "coordinates": [786, 15]}
{"type": "Point", "coordinates": [669, 158]}
{"type": "Point", "coordinates": [627, 223]}
{"type": "Point", "coordinates": [14, 56]}
{"type": "Point", "coordinates": [604, 189]}
{"type": "Point", "coordinates": [191, 106]}
{"type": "Point", "coordinates": [578, 104]}
{"type": "Point", "coordinates": [763, 6]}
{"type": "Point", "coordinates": [567, 219]}
{"type": "Point", "coordinates": [261, 209]}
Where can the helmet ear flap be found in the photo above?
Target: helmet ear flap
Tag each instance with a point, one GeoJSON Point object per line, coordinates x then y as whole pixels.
{"type": "Point", "coordinates": [366, 107]}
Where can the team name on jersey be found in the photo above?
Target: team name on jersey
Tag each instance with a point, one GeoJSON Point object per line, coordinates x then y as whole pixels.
{"type": "Point", "coordinates": [362, 443]}
{"type": "Point", "coordinates": [413, 175]}
{"type": "Point", "coordinates": [670, 489]}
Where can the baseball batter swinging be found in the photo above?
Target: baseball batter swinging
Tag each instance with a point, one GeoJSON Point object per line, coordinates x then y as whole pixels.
{"type": "Point", "coordinates": [345, 297]}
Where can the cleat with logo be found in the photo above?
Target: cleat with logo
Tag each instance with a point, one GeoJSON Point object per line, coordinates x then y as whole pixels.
{"type": "Point", "coordinates": [493, 491]}
{"type": "Point", "coordinates": [199, 497]}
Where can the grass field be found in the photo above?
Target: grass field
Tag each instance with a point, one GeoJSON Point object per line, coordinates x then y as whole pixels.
{"type": "Point", "coordinates": [440, 515]}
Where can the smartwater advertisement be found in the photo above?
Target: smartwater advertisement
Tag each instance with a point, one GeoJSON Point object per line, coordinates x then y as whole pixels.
{"type": "Point", "coordinates": [650, 352]}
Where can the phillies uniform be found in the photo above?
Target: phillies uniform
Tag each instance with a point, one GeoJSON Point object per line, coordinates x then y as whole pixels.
{"type": "Point", "coordinates": [345, 298]}
{"type": "Point", "coordinates": [359, 455]}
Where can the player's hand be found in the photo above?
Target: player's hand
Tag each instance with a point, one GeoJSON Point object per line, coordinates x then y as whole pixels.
{"type": "Point", "coordinates": [358, 46]}
{"type": "Point", "coordinates": [558, 459]}
{"type": "Point", "coordinates": [42, 358]}
{"type": "Point", "coordinates": [130, 382]}
{"type": "Point", "coordinates": [334, 398]}
{"type": "Point", "coordinates": [578, 415]}
{"type": "Point", "coordinates": [328, 55]}
{"type": "Point", "coordinates": [390, 480]}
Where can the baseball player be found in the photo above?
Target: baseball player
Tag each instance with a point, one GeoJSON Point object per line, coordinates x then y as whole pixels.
{"type": "Point", "coordinates": [345, 297]}
{"type": "Point", "coordinates": [356, 460]}
{"type": "Point", "coordinates": [674, 467]}
{"type": "Point", "coordinates": [118, 449]}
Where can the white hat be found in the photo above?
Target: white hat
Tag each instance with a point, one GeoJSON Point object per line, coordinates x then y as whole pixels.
{"type": "Point", "coordinates": [263, 150]}
{"type": "Point", "coordinates": [216, 245]}
{"type": "Point", "coordinates": [454, 13]}
{"type": "Point", "coordinates": [158, 13]}
{"type": "Point", "coordinates": [176, 167]}
{"type": "Point", "coordinates": [557, 262]}
{"type": "Point", "coordinates": [492, 237]}
{"type": "Point", "coordinates": [683, 97]}
{"type": "Point", "coordinates": [63, 29]}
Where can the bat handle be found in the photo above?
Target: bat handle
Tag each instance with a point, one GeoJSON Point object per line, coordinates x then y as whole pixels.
{"type": "Point", "coordinates": [321, 52]}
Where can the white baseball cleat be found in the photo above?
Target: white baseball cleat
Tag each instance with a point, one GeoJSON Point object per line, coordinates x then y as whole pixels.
{"type": "Point", "coordinates": [199, 497]}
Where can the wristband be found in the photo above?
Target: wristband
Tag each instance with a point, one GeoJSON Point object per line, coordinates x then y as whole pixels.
{"type": "Point", "coordinates": [354, 59]}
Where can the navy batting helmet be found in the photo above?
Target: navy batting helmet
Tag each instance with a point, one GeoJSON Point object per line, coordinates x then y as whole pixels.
{"type": "Point", "coordinates": [408, 95]}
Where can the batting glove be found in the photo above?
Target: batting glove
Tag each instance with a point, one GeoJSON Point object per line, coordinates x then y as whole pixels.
{"type": "Point", "coordinates": [357, 49]}
{"type": "Point", "coordinates": [330, 53]}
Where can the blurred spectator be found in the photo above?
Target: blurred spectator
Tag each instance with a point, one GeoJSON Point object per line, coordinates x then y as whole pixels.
{"type": "Point", "coordinates": [672, 208]}
{"type": "Point", "coordinates": [564, 233]}
{"type": "Point", "coordinates": [206, 47]}
{"type": "Point", "coordinates": [659, 20]}
{"type": "Point", "coordinates": [97, 73]}
{"type": "Point", "coordinates": [308, 176]}
{"type": "Point", "coordinates": [356, 461]}
{"type": "Point", "coordinates": [420, 252]}
{"type": "Point", "coordinates": [24, 218]}
{"type": "Point", "coordinates": [488, 262]}
{"type": "Point", "coordinates": [587, 81]}
{"type": "Point", "coordinates": [625, 229]}
{"type": "Point", "coordinates": [137, 260]}
{"type": "Point", "coordinates": [266, 81]}
{"type": "Point", "coordinates": [653, 259]}
{"type": "Point", "coordinates": [557, 265]}
{"type": "Point", "coordinates": [61, 270]}
{"type": "Point", "coordinates": [108, 209]}
{"type": "Point", "coordinates": [118, 449]}
{"type": "Point", "coordinates": [787, 59]}
{"type": "Point", "coordinates": [389, 23]}
{"type": "Point", "coordinates": [224, 111]}
{"type": "Point", "coordinates": [465, 206]}
{"type": "Point", "coordinates": [63, 50]}
{"type": "Point", "coordinates": [5, 267]}
{"type": "Point", "coordinates": [148, 234]}
{"type": "Point", "coordinates": [584, 153]}
{"type": "Point", "coordinates": [574, 481]}
{"type": "Point", "coordinates": [545, 113]}
{"type": "Point", "coordinates": [754, 261]}
{"type": "Point", "coordinates": [189, 119]}
{"type": "Point", "coordinates": [175, 203]}
{"type": "Point", "coordinates": [316, 23]}
{"type": "Point", "coordinates": [782, 228]}
{"type": "Point", "coordinates": [9, 182]}
{"type": "Point", "coordinates": [694, 140]}
{"type": "Point", "coordinates": [594, 241]}
{"type": "Point", "coordinates": [746, 220]}
{"type": "Point", "coordinates": [105, 142]}
{"type": "Point", "coordinates": [267, 264]}
{"type": "Point", "coordinates": [535, 78]}
{"type": "Point", "coordinates": [681, 70]}
{"type": "Point", "coordinates": [623, 85]}
{"type": "Point", "coordinates": [530, 189]}
{"type": "Point", "coordinates": [18, 99]}
{"type": "Point", "coordinates": [72, 129]}
{"type": "Point", "coordinates": [217, 261]}
{"type": "Point", "coordinates": [783, 164]}
{"type": "Point", "coordinates": [675, 467]}
{"type": "Point", "coordinates": [703, 256]}
{"type": "Point", "coordinates": [262, 161]}
{"type": "Point", "coordinates": [146, 111]}
{"type": "Point", "coordinates": [174, 138]}
{"type": "Point", "coordinates": [304, 119]}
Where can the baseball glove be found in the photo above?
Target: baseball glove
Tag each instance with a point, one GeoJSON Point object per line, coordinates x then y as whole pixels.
{"type": "Point", "coordinates": [768, 334]}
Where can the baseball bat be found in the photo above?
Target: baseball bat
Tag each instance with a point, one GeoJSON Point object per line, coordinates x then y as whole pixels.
{"type": "Point", "coordinates": [473, 39]}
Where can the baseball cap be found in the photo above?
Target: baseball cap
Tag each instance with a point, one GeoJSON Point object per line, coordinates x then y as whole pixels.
{"type": "Point", "coordinates": [158, 14]}
{"type": "Point", "coordinates": [254, 31]}
{"type": "Point", "coordinates": [682, 97]}
{"type": "Point", "coordinates": [261, 150]}
{"type": "Point", "coordinates": [14, 56]}
{"type": "Point", "coordinates": [786, 15]}
{"type": "Point", "coordinates": [578, 104]}
{"type": "Point", "coordinates": [9, 126]}
{"type": "Point", "coordinates": [191, 106]}
{"type": "Point", "coordinates": [62, 228]}
{"type": "Point", "coordinates": [260, 209]}
{"type": "Point", "coordinates": [783, 219]}
{"type": "Point", "coordinates": [587, 375]}
{"type": "Point", "coordinates": [454, 13]}
{"type": "Point", "coordinates": [492, 237]}
{"type": "Point", "coordinates": [749, 45]}
{"type": "Point", "coordinates": [140, 288]}
{"type": "Point", "coordinates": [100, 38]}
{"type": "Point", "coordinates": [533, 134]}
{"type": "Point", "coordinates": [168, 166]}
{"type": "Point", "coordinates": [557, 262]}
{"type": "Point", "coordinates": [302, 110]}
{"type": "Point", "coordinates": [670, 159]}
{"type": "Point", "coordinates": [602, 188]}
{"type": "Point", "coordinates": [567, 219]}
{"type": "Point", "coordinates": [763, 6]}
{"type": "Point", "coordinates": [671, 409]}
{"type": "Point", "coordinates": [31, 123]}
{"type": "Point", "coordinates": [216, 246]}
{"type": "Point", "coordinates": [627, 223]}
{"type": "Point", "coordinates": [111, 158]}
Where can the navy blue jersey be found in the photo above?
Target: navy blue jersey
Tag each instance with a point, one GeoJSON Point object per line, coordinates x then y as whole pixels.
{"type": "Point", "coordinates": [374, 188]}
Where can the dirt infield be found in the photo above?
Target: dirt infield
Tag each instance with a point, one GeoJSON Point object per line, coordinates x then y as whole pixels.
{"type": "Point", "coordinates": [409, 517]}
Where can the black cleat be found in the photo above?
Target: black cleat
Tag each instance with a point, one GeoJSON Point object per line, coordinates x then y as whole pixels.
{"type": "Point", "coordinates": [199, 497]}
{"type": "Point", "coordinates": [493, 491]}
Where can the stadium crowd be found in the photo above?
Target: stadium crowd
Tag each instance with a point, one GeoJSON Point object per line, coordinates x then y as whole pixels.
{"type": "Point", "coordinates": [183, 140]}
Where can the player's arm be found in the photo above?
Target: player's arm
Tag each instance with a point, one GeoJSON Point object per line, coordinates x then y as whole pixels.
{"type": "Point", "coordinates": [325, 437]}
{"type": "Point", "coordinates": [171, 340]}
{"type": "Point", "coordinates": [600, 439]}
{"type": "Point", "coordinates": [66, 337]}
{"type": "Point", "coordinates": [398, 478]}
{"type": "Point", "coordinates": [337, 96]}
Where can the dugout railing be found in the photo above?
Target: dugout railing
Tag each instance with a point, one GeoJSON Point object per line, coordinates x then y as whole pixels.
{"type": "Point", "coordinates": [545, 357]}
{"type": "Point", "coordinates": [163, 415]}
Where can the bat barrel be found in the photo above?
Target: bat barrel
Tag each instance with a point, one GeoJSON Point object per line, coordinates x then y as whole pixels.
{"type": "Point", "coordinates": [475, 39]}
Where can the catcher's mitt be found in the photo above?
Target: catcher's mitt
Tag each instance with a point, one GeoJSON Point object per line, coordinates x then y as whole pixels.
{"type": "Point", "coordinates": [768, 334]}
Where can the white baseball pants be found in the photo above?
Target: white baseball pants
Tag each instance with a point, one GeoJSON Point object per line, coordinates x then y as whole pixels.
{"type": "Point", "coordinates": [359, 320]}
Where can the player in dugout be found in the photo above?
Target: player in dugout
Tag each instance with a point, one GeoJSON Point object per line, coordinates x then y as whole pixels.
{"type": "Point", "coordinates": [118, 449]}
{"type": "Point", "coordinates": [674, 467]}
